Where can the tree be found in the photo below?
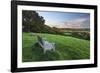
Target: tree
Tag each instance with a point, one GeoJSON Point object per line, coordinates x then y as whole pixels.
{"type": "Point", "coordinates": [32, 22]}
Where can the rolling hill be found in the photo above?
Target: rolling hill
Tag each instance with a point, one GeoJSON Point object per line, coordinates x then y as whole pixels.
{"type": "Point", "coordinates": [67, 48]}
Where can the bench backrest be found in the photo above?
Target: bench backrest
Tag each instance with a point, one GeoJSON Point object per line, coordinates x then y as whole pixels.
{"type": "Point", "coordinates": [40, 39]}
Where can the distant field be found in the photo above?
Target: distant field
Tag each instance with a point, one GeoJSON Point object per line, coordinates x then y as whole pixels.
{"type": "Point", "coordinates": [75, 30]}
{"type": "Point", "coordinates": [67, 48]}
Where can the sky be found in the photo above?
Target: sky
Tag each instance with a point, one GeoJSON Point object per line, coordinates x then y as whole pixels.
{"type": "Point", "coordinates": [66, 19]}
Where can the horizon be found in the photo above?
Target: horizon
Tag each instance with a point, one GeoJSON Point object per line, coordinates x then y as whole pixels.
{"type": "Point", "coordinates": [66, 19]}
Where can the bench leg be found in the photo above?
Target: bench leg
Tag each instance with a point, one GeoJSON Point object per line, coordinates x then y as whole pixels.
{"type": "Point", "coordinates": [44, 51]}
{"type": "Point", "coordinates": [53, 49]}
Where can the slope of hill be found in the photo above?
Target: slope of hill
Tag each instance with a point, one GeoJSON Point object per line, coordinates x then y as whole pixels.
{"type": "Point", "coordinates": [67, 48]}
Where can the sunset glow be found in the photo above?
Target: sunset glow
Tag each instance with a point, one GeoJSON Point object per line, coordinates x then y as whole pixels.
{"type": "Point", "coordinates": [66, 19]}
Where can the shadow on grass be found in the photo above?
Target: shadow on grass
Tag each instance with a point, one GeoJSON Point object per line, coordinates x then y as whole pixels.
{"type": "Point", "coordinates": [39, 55]}
{"type": "Point", "coordinates": [64, 52]}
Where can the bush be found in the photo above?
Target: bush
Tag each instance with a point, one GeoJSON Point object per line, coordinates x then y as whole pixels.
{"type": "Point", "coordinates": [82, 35]}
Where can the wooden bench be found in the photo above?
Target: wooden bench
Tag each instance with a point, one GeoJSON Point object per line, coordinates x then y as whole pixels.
{"type": "Point", "coordinates": [46, 45]}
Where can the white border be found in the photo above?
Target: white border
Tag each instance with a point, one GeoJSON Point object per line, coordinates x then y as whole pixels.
{"type": "Point", "coordinates": [53, 63]}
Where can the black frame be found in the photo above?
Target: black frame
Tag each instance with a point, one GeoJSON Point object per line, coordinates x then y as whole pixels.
{"type": "Point", "coordinates": [14, 5]}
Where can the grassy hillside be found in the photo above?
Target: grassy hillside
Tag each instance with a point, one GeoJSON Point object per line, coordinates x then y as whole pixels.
{"type": "Point", "coordinates": [67, 48]}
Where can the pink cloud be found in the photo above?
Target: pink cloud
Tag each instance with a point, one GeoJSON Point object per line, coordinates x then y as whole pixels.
{"type": "Point", "coordinates": [76, 23]}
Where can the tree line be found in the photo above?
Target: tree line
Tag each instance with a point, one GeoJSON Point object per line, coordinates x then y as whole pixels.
{"type": "Point", "coordinates": [33, 22]}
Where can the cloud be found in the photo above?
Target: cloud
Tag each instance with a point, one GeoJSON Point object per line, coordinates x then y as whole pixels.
{"type": "Point", "coordinates": [76, 23]}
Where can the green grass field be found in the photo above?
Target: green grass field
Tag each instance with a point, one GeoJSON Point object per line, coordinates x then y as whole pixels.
{"type": "Point", "coordinates": [67, 48]}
